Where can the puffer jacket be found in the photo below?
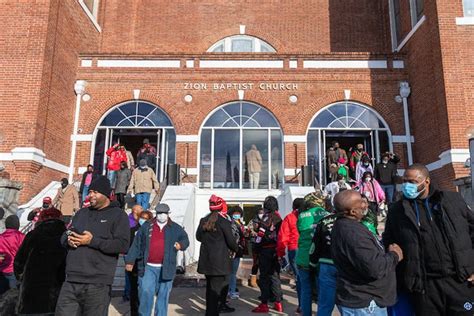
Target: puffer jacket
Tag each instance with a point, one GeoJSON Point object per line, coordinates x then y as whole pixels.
{"type": "Point", "coordinates": [115, 158]}
{"type": "Point", "coordinates": [458, 224]}
{"type": "Point", "coordinates": [307, 221]}
{"type": "Point", "coordinates": [10, 242]}
{"type": "Point", "coordinates": [288, 235]}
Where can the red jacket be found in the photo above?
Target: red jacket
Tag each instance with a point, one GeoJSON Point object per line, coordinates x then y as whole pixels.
{"type": "Point", "coordinates": [10, 241]}
{"type": "Point", "coordinates": [288, 236]}
{"type": "Point", "coordinates": [115, 158]}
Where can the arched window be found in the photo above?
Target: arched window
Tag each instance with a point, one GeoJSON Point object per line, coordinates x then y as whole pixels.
{"type": "Point", "coordinates": [348, 123]}
{"type": "Point", "coordinates": [241, 147]}
{"type": "Point", "coordinates": [129, 124]}
{"type": "Point", "coordinates": [241, 44]}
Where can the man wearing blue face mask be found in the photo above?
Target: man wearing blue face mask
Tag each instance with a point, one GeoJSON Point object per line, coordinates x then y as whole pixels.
{"type": "Point", "coordinates": [156, 244]}
{"type": "Point", "coordinates": [435, 230]}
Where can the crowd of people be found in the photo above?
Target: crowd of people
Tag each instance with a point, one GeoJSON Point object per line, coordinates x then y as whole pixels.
{"type": "Point", "coordinates": [422, 263]}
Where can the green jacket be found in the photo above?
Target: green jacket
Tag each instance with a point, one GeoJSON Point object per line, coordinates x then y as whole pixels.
{"type": "Point", "coordinates": [307, 221]}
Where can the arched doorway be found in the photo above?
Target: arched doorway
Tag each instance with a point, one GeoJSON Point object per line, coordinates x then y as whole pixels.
{"type": "Point", "coordinates": [348, 123]}
{"type": "Point", "coordinates": [227, 137]}
{"type": "Point", "coordinates": [131, 122]}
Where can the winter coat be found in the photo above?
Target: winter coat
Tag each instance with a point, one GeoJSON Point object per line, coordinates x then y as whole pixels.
{"type": "Point", "coordinates": [84, 176]}
{"type": "Point", "coordinates": [140, 249]}
{"type": "Point", "coordinates": [10, 242]}
{"type": "Point", "coordinates": [143, 180]}
{"type": "Point", "coordinates": [307, 221]}
{"type": "Point", "coordinates": [123, 179]}
{"type": "Point", "coordinates": [457, 223]}
{"type": "Point", "coordinates": [334, 187]}
{"type": "Point", "coordinates": [365, 271]}
{"type": "Point", "coordinates": [149, 154]}
{"type": "Point", "coordinates": [254, 161]}
{"type": "Point", "coordinates": [321, 245]}
{"type": "Point", "coordinates": [116, 156]}
{"type": "Point", "coordinates": [67, 201]}
{"type": "Point", "coordinates": [372, 190]}
{"type": "Point", "coordinates": [130, 160]}
{"type": "Point", "coordinates": [360, 169]}
{"type": "Point", "coordinates": [216, 247]}
{"type": "Point", "coordinates": [288, 235]}
{"type": "Point", "coordinates": [386, 174]}
{"type": "Point", "coordinates": [40, 267]}
{"type": "Point", "coordinates": [238, 231]}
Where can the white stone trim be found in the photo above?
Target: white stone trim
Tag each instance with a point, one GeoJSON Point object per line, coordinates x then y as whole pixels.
{"type": "Point", "coordinates": [190, 63]}
{"type": "Point", "coordinates": [86, 63]}
{"type": "Point", "coordinates": [187, 138]}
{"type": "Point", "coordinates": [91, 14]}
{"type": "Point", "coordinates": [401, 139]}
{"type": "Point", "coordinates": [410, 34]}
{"type": "Point", "coordinates": [449, 156]}
{"type": "Point", "coordinates": [82, 137]}
{"type": "Point", "coordinates": [293, 64]}
{"type": "Point", "coordinates": [242, 29]}
{"type": "Point", "coordinates": [290, 172]}
{"type": "Point", "coordinates": [294, 138]}
{"type": "Point", "coordinates": [465, 20]}
{"type": "Point", "coordinates": [347, 94]}
{"type": "Point", "coordinates": [241, 63]}
{"type": "Point", "coordinates": [123, 63]}
{"type": "Point", "coordinates": [365, 64]}
{"type": "Point", "coordinates": [241, 94]}
{"type": "Point", "coordinates": [32, 154]}
{"type": "Point", "coordinates": [398, 64]}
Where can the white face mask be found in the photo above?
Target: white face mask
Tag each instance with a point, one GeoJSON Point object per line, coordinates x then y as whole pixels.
{"type": "Point", "coordinates": [260, 216]}
{"type": "Point", "coordinates": [162, 218]}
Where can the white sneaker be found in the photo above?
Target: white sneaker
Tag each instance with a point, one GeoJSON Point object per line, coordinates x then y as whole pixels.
{"type": "Point", "coordinates": [234, 296]}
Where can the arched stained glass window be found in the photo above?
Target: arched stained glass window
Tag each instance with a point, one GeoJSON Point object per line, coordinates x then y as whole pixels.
{"type": "Point", "coordinates": [241, 44]}
{"type": "Point", "coordinates": [137, 114]}
{"type": "Point", "coordinates": [347, 115]}
{"type": "Point", "coordinates": [242, 114]}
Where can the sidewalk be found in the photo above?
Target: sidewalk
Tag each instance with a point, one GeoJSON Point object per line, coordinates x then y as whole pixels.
{"type": "Point", "coordinates": [191, 301]}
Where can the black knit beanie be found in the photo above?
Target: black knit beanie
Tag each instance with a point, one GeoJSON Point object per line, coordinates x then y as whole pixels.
{"type": "Point", "coordinates": [12, 222]}
{"type": "Point", "coordinates": [101, 185]}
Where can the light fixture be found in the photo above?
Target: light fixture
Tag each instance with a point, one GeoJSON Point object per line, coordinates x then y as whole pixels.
{"type": "Point", "coordinates": [86, 97]}
{"type": "Point", "coordinates": [188, 98]}
{"type": "Point", "coordinates": [293, 98]}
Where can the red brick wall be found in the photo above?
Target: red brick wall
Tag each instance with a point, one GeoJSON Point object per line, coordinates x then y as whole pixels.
{"type": "Point", "coordinates": [41, 41]}
{"type": "Point", "coordinates": [299, 26]}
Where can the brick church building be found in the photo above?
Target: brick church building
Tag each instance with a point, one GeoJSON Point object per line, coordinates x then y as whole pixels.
{"type": "Point", "coordinates": [206, 81]}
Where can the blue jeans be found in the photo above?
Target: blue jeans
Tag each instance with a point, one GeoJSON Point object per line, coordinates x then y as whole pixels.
{"type": "Point", "coordinates": [126, 289]}
{"type": "Point", "coordinates": [85, 193]}
{"type": "Point", "coordinates": [7, 281]}
{"type": "Point", "coordinates": [112, 176]}
{"type": "Point", "coordinates": [149, 285]}
{"type": "Point", "coordinates": [307, 280]}
{"type": "Point", "coordinates": [233, 276]}
{"type": "Point", "coordinates": [327, 289]}
{"type": "Point", "coordinates": [389, 190]}
{"type": "Point", "coordinates": [292, 261]}
{"type": "Point", "coordinates": [143, 199]}
{"type": "Point", "coordinates": [371, 310]}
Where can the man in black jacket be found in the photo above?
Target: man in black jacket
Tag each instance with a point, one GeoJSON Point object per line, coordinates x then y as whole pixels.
{"type": "Point", "coordinates": [435, 229]}
{"type": "Point", "coordinates": [386, 174]}
{"type": "Point", "coordinates": [97, 236]}
{"type": "Point", "coordinates": [366, 273]}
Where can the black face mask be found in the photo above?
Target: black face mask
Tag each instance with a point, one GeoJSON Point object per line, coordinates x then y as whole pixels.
{"type": "Point", "coordinates": [63, 185]}
{"type": "Point", "coordinates": [45, 206]}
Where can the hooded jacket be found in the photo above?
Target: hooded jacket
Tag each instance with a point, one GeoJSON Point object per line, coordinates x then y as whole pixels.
{"type": "Point", "coordinates": [456, 223]}
{"type": "Point", "coordinates": [116, 156]}
{"type": "Point", "coordinates": [10, 241]}
{"type": "Point", "coordinates": [95, 263]}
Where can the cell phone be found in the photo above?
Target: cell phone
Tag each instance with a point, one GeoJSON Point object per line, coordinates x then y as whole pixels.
{"type": "Point", "coordinates": [71, 230]}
